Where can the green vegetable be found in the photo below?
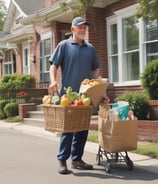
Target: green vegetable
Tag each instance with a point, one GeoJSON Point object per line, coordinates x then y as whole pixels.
{"type": "Point", "coordinates": [55, 100]}
{"type": "Point", "coordinates": [71, 95]}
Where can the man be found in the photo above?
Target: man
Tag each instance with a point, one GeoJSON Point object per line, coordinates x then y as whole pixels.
{"type": "Point", "coordinates": [78, 61]}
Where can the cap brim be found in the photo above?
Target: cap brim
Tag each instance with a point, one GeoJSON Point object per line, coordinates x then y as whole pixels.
{"type": "Point", "coordinates": [80, 23]}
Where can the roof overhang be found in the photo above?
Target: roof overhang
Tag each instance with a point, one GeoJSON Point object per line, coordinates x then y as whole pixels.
{"type": "Point", "coordinates": [23, 33]}
{"type": "Point", "coordinates": [55, 13]}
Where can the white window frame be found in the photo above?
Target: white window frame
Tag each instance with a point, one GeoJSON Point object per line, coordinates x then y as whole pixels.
{"type": "Point", "coordinates": [26, 45]}
{"type": "Point", "coordinates": [117, 19]}
{"type": "Point", "coordinates": [46, 36]}
{"type": "Point", "coordinates": [9, 63]}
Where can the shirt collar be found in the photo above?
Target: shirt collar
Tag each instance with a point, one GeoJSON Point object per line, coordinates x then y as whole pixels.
{"type": "Point", "coordinates": [74, 42]}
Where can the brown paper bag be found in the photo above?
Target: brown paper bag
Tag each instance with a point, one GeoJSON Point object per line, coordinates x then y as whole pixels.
{"type": "Point", "coordinates": [95, 93]}
{"type": "Point", "coordinates": [117, 136]}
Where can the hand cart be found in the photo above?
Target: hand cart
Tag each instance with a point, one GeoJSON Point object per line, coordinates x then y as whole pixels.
{"type": "Point", "coordinates": [111, 158]}
{"type": "Point", "coordinates": [115, 139]}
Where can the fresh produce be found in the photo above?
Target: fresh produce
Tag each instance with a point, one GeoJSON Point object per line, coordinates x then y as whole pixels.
{"type": "Point", "coordinates": [55, 100]}
{"type": "Point", "coordinates": [69, 98]}
{"type": "Point", "coordinates": [64, 101]}
{"type": "Point", "coordinates": [46, 99]}
{"type": "Point", "coordinates": [92, 82]}
{"type": "Point", "coordinates": [86, 101]}
{"type": "Point", "coordinates": [71, 95]}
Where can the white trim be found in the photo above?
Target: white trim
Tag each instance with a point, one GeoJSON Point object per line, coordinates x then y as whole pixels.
{"type": "Point", "coordinates": [26, 45]}
{"type": "Point", "coordinates": [18, 7]}
{"type": "Point", "coordinates": [117, 19]}
{"type": "Point", "coordinates": [46, 35]}
{"type": "Point", "coordinates": [127, 12]}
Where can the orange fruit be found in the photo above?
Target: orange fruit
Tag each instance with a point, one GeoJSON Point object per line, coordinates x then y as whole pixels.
{"type": "Point", "coordinates": [95, 83]}
{"type": "Point", "coordinates": [64, 102]}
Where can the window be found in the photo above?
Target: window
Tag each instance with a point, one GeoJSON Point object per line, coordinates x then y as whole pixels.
{"type": "Point", "coordinates": [151, 32]}
{"type": "Point", "coordinates": [123, 46]}
{"type": "Point", "coordinates": [114, 52]}
{"type": "Point", "coordinates": [45, 53]}
{"type": "Point", "coordinates": [26, 62]}
{"type": "Point", "coordinates": [8, 63]}
{"type": "Point", "coordinates": [132, 44]}
{"type": "Point", "coordinates": [26, 57]}
{"type": "Point", "coordinates": [130, 48]}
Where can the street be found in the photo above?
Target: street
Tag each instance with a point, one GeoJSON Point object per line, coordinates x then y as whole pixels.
{"type": "Point", "coordinates": [28, 159]}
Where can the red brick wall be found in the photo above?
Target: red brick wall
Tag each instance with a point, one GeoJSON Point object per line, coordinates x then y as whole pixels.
{"type": "Point", "coordinates": [148, 130]}
{"type": "Point", "coordinates": [97, 36]}
{"type": "Point", "coordinates": [24, 108]}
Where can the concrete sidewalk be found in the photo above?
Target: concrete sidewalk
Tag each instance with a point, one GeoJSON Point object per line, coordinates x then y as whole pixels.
{"type": "Point", "coordinates": [140, 161]}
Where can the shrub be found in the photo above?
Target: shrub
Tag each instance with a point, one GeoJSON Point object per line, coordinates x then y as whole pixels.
{"type": "Point", "coordinates": [149, 79]}
{"type": "Point", "coordinates": [11, 109]}
{"type": "Point", "coordinates": [2, 105]}
{"type": "Point", "coordinates": [138, 103]}
{"type": "Point", "coordinates": [17, 81]}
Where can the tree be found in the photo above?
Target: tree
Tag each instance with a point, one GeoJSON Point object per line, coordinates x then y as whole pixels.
{"type": "Point", "coordinates": [148, 9]}
{"type": "Point", "coordinates": [85, 5]}
{"type": "Point", "coordinates": [3, 12]}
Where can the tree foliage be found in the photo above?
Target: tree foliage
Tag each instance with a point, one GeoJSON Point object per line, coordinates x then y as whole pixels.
{"type": "Point", "coordinates": [3, 12]}
{"type": "Point", "coordinates": [148, 9]}
{"type": "Point", "coordinates": [85, 5]}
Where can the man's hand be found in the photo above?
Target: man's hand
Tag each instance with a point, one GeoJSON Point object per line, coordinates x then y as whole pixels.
{"type": "Point", "coordinates": [53, 87]}
{"type": "Point", "coordinates": [105, 100]}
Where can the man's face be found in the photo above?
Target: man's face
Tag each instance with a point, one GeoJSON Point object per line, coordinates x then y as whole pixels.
{"type": "Point", "coordinates": [79, 31]}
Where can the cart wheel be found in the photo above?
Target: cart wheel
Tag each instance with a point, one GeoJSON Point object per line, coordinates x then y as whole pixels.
{"type": "Point", "coordinates": [108, 167]}
{"type": "Point", "coordinates": [99, 158]}
{"type": "Point", "coordinates": [129, 164]}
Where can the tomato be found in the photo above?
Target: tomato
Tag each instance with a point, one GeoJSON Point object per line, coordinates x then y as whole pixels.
{"type": "Point", "coordinates": [78, 102]}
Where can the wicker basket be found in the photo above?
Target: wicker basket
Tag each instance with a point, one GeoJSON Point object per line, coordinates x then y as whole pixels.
{"type": "Point", "coordinates": [67, 118]}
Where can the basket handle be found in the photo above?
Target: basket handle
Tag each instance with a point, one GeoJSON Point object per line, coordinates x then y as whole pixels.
{"type": "Point", "coordinates": [52, 94]}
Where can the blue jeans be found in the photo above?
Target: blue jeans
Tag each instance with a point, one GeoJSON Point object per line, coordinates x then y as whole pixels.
{"type": "Point", "coordinates": [72, 144]}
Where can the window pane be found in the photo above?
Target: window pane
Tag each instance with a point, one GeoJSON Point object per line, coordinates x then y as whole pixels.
{"type": "Point", "coordinates": [114, 39]}
{"type": "Point", "coordinates": [47, 65]}
{"type": "Point", "coordinates": [26, 57]}
{"type": "Point", "coordinates": [131, 66]}
{"type": "Point", "coordinates": [114, 60]}
{"type": "Point", "coordinates": [152, 51]}
{"type": "Point", "coordinates": [151, 30]}
{"type": "Point", "coordinates": [131, 33]}
{"type": "Point", "coordinates": [47, 47]}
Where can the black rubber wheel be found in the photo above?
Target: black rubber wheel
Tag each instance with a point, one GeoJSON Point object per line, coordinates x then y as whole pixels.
{"type": "Point", "coordinates": [129, 164]}
{"type": "Point", "coordinates": [108, 167]}
{"type": "Point", "coordinates": [99, 158]}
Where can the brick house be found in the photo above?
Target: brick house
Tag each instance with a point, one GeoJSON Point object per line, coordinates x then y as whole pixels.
{"type": "Point", "coordinates": [124, 43]}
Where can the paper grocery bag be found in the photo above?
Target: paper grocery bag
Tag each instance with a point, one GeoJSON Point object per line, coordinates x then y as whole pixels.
{"type": "Point", "coordinates": [117, 136]}
{"type": "Point", "coordinates": [95, 93]}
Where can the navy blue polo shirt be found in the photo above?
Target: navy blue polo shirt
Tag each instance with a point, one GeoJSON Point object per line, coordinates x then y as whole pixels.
{"type": "Point", "coordinates": [77, 62]}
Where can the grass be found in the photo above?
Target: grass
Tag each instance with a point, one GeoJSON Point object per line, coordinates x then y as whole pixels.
{"type": "Point", "coordinates": [144, 148]}
{"type": "Point", "coordinates": [14, 119]}
{"type": "Point", "coordinates": [148, 148]}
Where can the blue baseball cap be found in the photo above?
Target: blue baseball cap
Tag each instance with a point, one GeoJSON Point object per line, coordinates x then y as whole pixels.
{"type": "Point", "coordinates": [78, 21]}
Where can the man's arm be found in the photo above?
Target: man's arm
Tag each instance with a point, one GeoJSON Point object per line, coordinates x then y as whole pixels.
{"type": "Point", "coordinates": [53, 83]}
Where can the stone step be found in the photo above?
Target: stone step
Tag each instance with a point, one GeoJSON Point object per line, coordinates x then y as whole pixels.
{"type": "Point", "coordinates": [34, 122]}
{"type": "Point", "coordinates": [39, 107]}
{"type": "Point", "coordinates": [36, 114]}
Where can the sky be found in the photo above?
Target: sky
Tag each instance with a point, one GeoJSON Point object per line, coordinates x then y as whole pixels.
{"type": "Point", "coordinates": [7, 2]}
